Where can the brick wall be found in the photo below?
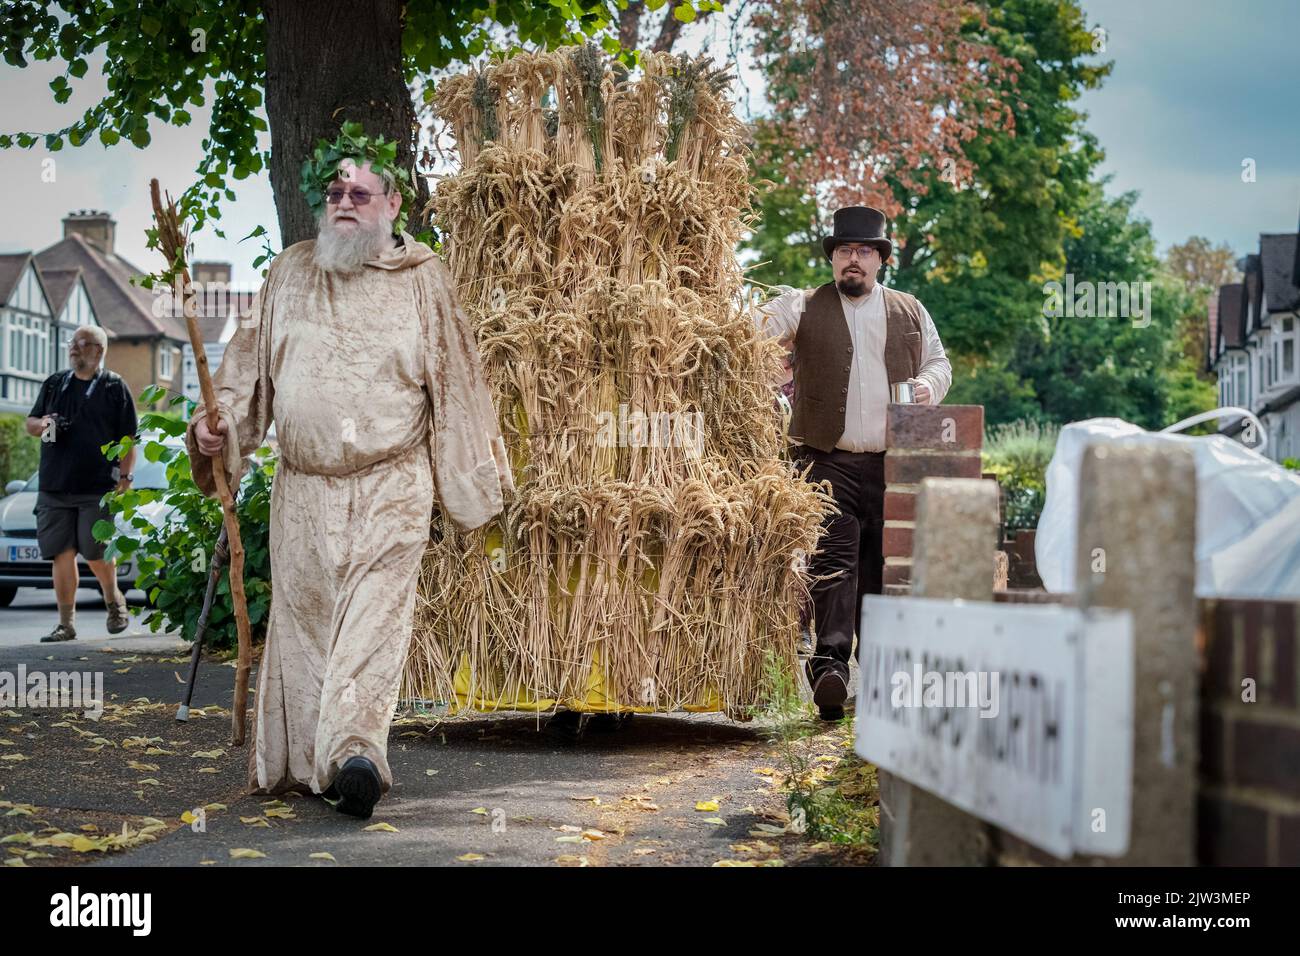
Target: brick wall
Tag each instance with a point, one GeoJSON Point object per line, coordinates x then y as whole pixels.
{"type": "Point", "coordinates": [137, 362]}
{"type": "Point", "coordinates": [924, 441]}
{"type": "Point", "coordinates": [1249, 787]}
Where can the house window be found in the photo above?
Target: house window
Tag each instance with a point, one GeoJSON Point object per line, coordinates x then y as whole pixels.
{"type": "Point", "coordinates": [165, 361]}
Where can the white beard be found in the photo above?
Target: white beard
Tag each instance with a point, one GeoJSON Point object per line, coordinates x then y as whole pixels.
{"type": "Point", "coordinates": [347, 252]}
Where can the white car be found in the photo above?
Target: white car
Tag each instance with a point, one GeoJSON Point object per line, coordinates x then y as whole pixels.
{"type": "Point", "coordinates": [21, 564]}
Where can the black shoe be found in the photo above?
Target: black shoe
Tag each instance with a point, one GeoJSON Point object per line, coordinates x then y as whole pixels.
{"type": "Point", "coordinates": [830, 691]}
{"type": "Point", "coordinates": [331, 794]}
{"type": "Point", "coordinates": [609, 723]}
{"type": "Point", "coordinates": [567, 726]}
{"type": "Point", "coordinates": [359, 787]}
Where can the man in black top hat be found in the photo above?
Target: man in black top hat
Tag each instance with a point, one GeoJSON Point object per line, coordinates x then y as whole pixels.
{"type": "Point", "coordinates": [77, 412]}
{"type": "Point", "coordinates": [852, 338]}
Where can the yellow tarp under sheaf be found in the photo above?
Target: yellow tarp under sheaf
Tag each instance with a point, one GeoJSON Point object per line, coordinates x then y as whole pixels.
{"type": "Point", "coordinates": [596, 700]}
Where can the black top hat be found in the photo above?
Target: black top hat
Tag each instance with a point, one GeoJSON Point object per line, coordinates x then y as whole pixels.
{"type": "Point", "coordinates": [859, 224]}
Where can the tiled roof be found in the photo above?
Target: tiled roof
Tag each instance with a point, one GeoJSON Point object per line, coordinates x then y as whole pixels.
{"type": "Point", "coordinates": [1212, 339]}
{"type": "Point", "coordinates": [1277, 253]}
{"type": "Point", "coordinates": [1252, 295]}
{"type": "Point", "coordinates": [11, 270]}
{"type": "Point", "coordinates": [124, 309]}
{"type": "Point", "coordinates": [59, 284]}
{"type": "Point", "coordinates": [1231, 314]}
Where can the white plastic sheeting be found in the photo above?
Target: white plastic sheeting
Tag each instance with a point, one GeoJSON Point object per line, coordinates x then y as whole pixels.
{"type": "Point", "coordinates": [1247, 511]}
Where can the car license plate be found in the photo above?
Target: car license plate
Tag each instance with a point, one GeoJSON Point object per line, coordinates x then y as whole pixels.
{"type": "Point", "coordinates": [24, 552]}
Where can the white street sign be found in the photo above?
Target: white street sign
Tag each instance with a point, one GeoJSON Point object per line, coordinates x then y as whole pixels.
{"type": "Point", "coordinates": [1019, 714]}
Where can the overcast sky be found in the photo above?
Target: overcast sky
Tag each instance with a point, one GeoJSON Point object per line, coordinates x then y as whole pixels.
{"type": "Point", "coordinates": [1198, 87]}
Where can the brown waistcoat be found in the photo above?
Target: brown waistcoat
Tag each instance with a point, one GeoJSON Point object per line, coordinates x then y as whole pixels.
{"type": "Point", "coordinates": [823, 358]}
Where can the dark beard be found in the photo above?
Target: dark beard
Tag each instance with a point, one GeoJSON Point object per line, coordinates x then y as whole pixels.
{"type": "Point", "coordinates": [852, 286]}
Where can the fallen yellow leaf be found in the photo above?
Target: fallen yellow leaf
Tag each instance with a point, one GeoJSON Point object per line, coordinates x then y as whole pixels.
{"type": "Point", "coordinates": [707, 806]}
{"type": "Point", "coordinates": [471, 857]}
{"type": "Point", "coordinates": [245, 854]}
{"type": "Point", "coordinates": [322, 856]}
{"type": "Point", "coordinates": [382, 827]}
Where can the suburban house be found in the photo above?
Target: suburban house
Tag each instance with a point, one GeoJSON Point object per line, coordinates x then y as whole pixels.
{"type": "Point", "coordinates": [39, 312]}
{"type": "Point", "coordinates": [221, 306]}
{"type": "Point", "coordinates": [145, 343]}
{"type": "Point", "coordinates": [81, 280]}
{"type": "Point", "coordinates": [1254, 342]}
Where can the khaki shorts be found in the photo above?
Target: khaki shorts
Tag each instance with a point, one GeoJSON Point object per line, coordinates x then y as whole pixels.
{"type": "Point", "coordinates": [65, 521]}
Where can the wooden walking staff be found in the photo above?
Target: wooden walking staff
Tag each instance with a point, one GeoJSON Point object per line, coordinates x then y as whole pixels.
{"type": "Point", "coordinates": [172, 240]}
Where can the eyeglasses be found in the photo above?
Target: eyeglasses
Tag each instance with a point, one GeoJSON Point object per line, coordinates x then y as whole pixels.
{"type": "Point", "coordinates": [360, 195]}
{"type": "Point", "coordinates": [844, 252]}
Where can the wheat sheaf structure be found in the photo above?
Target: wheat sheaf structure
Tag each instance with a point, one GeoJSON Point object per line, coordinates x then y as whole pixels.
{"type": "Point", "coordinates": [654, 556]}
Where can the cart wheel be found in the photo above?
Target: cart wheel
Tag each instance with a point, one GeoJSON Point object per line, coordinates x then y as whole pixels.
{"type": "Point", "coordinates": [567, 726]}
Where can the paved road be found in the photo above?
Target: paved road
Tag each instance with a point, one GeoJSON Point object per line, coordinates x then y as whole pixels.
{"type": "Point", "coordinates": [34, 613]}
{"type": "Point", "coordinates": [494, 787]}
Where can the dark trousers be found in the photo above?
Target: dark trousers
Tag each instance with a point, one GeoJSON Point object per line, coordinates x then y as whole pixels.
{"type": "Point", "coordinates": [849, 548]}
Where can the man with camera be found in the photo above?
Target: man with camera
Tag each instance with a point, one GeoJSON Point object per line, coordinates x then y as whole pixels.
{"type": "Point", "coordinates": [77, 412]}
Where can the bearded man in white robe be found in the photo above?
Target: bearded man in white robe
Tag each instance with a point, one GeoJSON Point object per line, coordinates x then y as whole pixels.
{"type": "Point", "coordinates": [358, 351]}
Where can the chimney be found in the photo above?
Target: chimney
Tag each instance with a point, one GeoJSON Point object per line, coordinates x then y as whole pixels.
{"type": "Point", "coordinates": [206, 272]}
{"type": "Point", "coordinates": [213, 282]}
{"type": "Point", "coordinates": [95, 226]}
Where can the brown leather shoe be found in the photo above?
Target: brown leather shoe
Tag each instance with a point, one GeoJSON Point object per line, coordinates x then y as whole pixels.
{"type": "Point", "coordinates": [61, 632]}
{"type": "Point", "coordinates": [118, 619]}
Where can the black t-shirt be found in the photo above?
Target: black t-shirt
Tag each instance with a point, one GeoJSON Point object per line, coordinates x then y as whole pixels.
{"type": "Point", "coordinates": [98, 411]}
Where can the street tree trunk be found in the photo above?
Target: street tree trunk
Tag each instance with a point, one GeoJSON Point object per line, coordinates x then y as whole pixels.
{"type": "Point", "coordinates": [326, 62]}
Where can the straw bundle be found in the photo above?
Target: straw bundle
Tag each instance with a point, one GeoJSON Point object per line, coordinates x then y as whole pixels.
{"type": "Point", "coordinates": [652, 555]}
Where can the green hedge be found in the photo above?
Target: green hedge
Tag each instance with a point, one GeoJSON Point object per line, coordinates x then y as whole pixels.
{"type": "Point", "coordinates": [20, 453]}
{"type": "Point", "coordinates": [1019, 453]}
{"type": "Point", "coordinates": [173, 559]}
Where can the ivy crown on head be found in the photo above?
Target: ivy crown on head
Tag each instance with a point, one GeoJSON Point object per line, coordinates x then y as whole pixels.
{"type": "Point", "coordinates": [322, 167]}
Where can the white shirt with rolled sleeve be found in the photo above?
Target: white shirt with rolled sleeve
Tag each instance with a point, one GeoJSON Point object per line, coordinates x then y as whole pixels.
{"type": "Point", "coordinates": [864, 408]}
